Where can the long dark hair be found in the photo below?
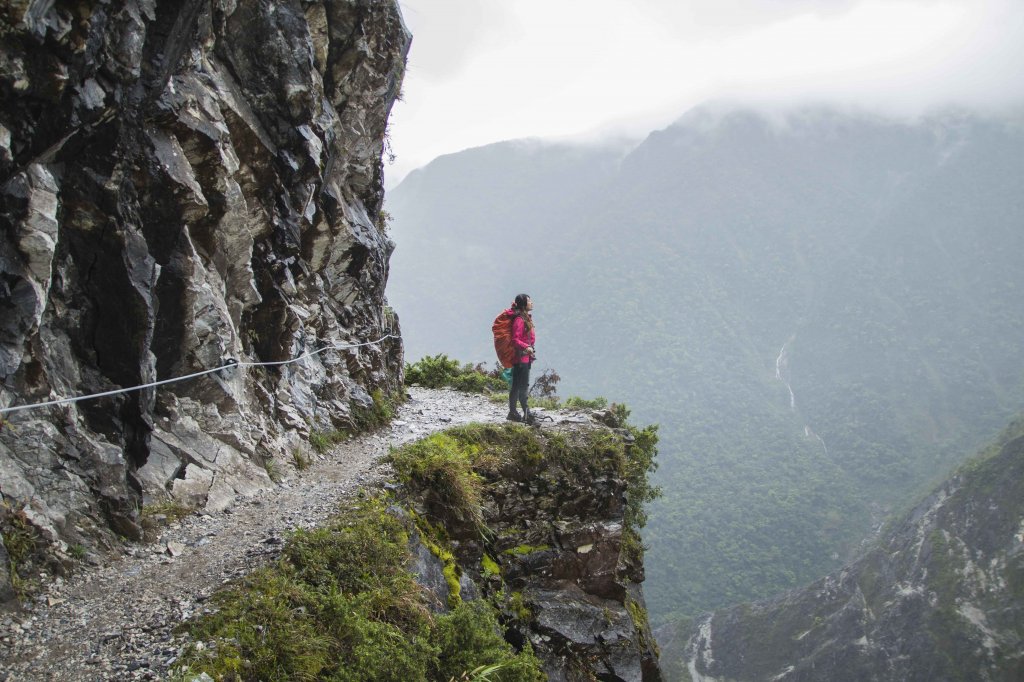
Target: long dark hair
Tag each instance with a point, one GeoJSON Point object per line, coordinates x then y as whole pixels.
{"type": "Point", "coordinates": [519, 305]}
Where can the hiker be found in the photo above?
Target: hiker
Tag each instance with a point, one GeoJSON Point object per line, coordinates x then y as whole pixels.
{"type": "Point", "coordinates": [523, 337]}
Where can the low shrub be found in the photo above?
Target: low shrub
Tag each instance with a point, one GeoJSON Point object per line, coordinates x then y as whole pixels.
{"type": "Point", "coordinates": [440, 371]}
{"type": "Point", "coordinates": [432, 371]}
{"type": "Point", "coordinates": [576, 402]}
{"type": "Point", "coordinates": [468, 639]}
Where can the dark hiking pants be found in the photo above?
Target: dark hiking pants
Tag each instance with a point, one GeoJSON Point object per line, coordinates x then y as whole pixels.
{"type": "Point", "coordinates": [520, 386]}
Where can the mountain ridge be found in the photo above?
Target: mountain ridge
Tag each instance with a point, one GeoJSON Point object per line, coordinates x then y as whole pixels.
{"type": "Point", "coordinates": [878, 253]}
{"type": "Point", "coordinates": [938, 597]}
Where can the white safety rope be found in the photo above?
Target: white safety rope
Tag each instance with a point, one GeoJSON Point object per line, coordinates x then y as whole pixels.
{"type": "Point", "coordinates": [229, 365]}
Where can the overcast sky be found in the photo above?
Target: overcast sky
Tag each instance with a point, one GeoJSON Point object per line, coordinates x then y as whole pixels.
{"type": "Point", "coordinates": [481, 71]}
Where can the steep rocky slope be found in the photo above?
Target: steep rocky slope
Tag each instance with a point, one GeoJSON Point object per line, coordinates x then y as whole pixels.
{"type": "Point", "coordinates": [184, 185]}
{"type": "Point", "coordinates": [941, 597]}
{"type": "Point", "coordinates": [559, 563]}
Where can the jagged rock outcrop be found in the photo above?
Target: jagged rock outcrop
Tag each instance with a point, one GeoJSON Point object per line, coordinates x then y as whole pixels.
{"type": "Point", "coordinates": [941, 597]}
{"type": "Point", "coordinates": [183, 184]}
{"type": "Point", "coordinates": [554, 540]}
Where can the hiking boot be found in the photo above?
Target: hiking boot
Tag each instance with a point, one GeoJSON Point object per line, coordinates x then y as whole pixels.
{"type": "Point", "coordinates": [530, 418]}
{"type": "Point", "coordinates": [514, 416]}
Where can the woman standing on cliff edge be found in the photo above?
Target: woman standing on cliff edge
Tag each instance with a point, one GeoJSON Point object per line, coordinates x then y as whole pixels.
{"type": "Point", "coordinates": [523, 336]}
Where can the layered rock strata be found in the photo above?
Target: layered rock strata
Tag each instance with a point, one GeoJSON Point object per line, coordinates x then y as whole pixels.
{"type": "Point", "coordinates": [184, 185]}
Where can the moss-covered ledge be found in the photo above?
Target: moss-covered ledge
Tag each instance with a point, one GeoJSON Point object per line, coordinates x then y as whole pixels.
{"type": "Point", "coordinates": [546, 524]}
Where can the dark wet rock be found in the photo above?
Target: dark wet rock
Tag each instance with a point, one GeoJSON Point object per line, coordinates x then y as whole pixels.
{"type": "Point", "coordinates": [183, 184]}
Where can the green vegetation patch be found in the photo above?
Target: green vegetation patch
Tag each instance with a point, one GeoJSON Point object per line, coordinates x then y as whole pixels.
{"type": "Point", "coordinates": [444, 466]}
{"type": "Point", "coordinates": [489, 566]}
{"type": "Point", "coordinates": [638, 614]}
{"type": "Point", "coordinates": [440, 371]}
{"type": "Point", "coordinates": [155, 516]}
{"type": "Point", "coordinates": [435, 539]}
{"type": "Point", "coordinates": [167, 511]}
{"type": "Point", "coordinates": [24, 547]}
{"type": "Point", "coordinates": [517, 605]}
{"type": "Point", "coordinates": [378, 414]}
{"type": "Point", "coordinates": [340, 605]}
{"type": "Point", "coordinates": [452, 466]}
{"type": "Point", "coordinates": [299, 459]}
{"type": "Point", "coordinates": [322, 441]}
{"type": "Point", "coordinates": [468, 639]}
{"type": "Point", "coordinates": [578, 403]}
{"type": "Point", "coordinates": [544, 402]}
{"type": "Point", "coordinates": [501, 444]}
{"type": "Point", "coordinates": [524, 550]}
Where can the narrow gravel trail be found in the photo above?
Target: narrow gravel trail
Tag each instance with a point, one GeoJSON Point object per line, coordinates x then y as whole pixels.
{"type": "Point", "coordinates": [115, 622]}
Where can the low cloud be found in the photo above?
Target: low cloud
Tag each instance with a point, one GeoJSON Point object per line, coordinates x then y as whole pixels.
{"type": "Point", "coordinates": [482, 71]}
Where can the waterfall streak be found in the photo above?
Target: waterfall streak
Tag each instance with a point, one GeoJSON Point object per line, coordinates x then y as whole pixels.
{"type": "Point", "coordinates": [781, 365]}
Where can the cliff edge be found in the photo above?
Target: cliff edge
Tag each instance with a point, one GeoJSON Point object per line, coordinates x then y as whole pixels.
{"type": "Point", "coordinates": [536, 569]}
{"type": "Point", "coordinates": [499, 546]}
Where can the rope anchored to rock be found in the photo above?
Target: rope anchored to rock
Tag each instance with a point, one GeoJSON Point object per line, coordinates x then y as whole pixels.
{"type": "Point", "coordinates": [228, 364]}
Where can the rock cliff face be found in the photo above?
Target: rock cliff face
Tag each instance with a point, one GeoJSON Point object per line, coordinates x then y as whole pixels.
{"type": "Point", "coordinates": [941, 597]}
{"type": "Point", "coordinates": [183, 184]}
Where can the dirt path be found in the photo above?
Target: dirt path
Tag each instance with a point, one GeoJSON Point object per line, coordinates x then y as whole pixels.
{"type": "Point", "coordinates": [115, 622]}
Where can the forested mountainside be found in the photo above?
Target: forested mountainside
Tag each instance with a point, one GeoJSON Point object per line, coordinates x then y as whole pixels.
{"type": "Point", "coordinates": [939, 597]}
{"type": "Point", "coordinates": [822, 310]}
{"type": "Point", "coordinates": [184, 185]}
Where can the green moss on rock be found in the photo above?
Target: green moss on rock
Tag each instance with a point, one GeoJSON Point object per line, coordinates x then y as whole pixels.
{"type": "Point", "coordinates": [523, 550]}
{"type": "Point", "coordinates": [489, 566]}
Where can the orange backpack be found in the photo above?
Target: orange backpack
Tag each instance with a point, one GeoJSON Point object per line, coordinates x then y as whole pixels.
{"type": "Point", "coordinates": [503, 343]}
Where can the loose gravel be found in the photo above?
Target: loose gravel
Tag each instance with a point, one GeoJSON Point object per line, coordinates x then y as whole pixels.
{"type": "Point", "coordinates": [116, 621]}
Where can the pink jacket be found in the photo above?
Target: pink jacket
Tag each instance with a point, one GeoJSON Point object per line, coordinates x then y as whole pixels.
{"type": "Point", "coordinates": [522, 338]}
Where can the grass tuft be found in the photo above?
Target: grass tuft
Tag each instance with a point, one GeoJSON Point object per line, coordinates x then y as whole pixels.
{"type": "Point", "coordinates": [576, 402]}
{"type": "Point", "coordinates": [23, 543]}
{"type": "Point", "coordinates": [299, 459]}
{"type": "Point", "coordinates": [322, 441]}
{"type": "Point", "coordinates": [167, 511]}
{"type": "Point", "coordinates": [444, 467]}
